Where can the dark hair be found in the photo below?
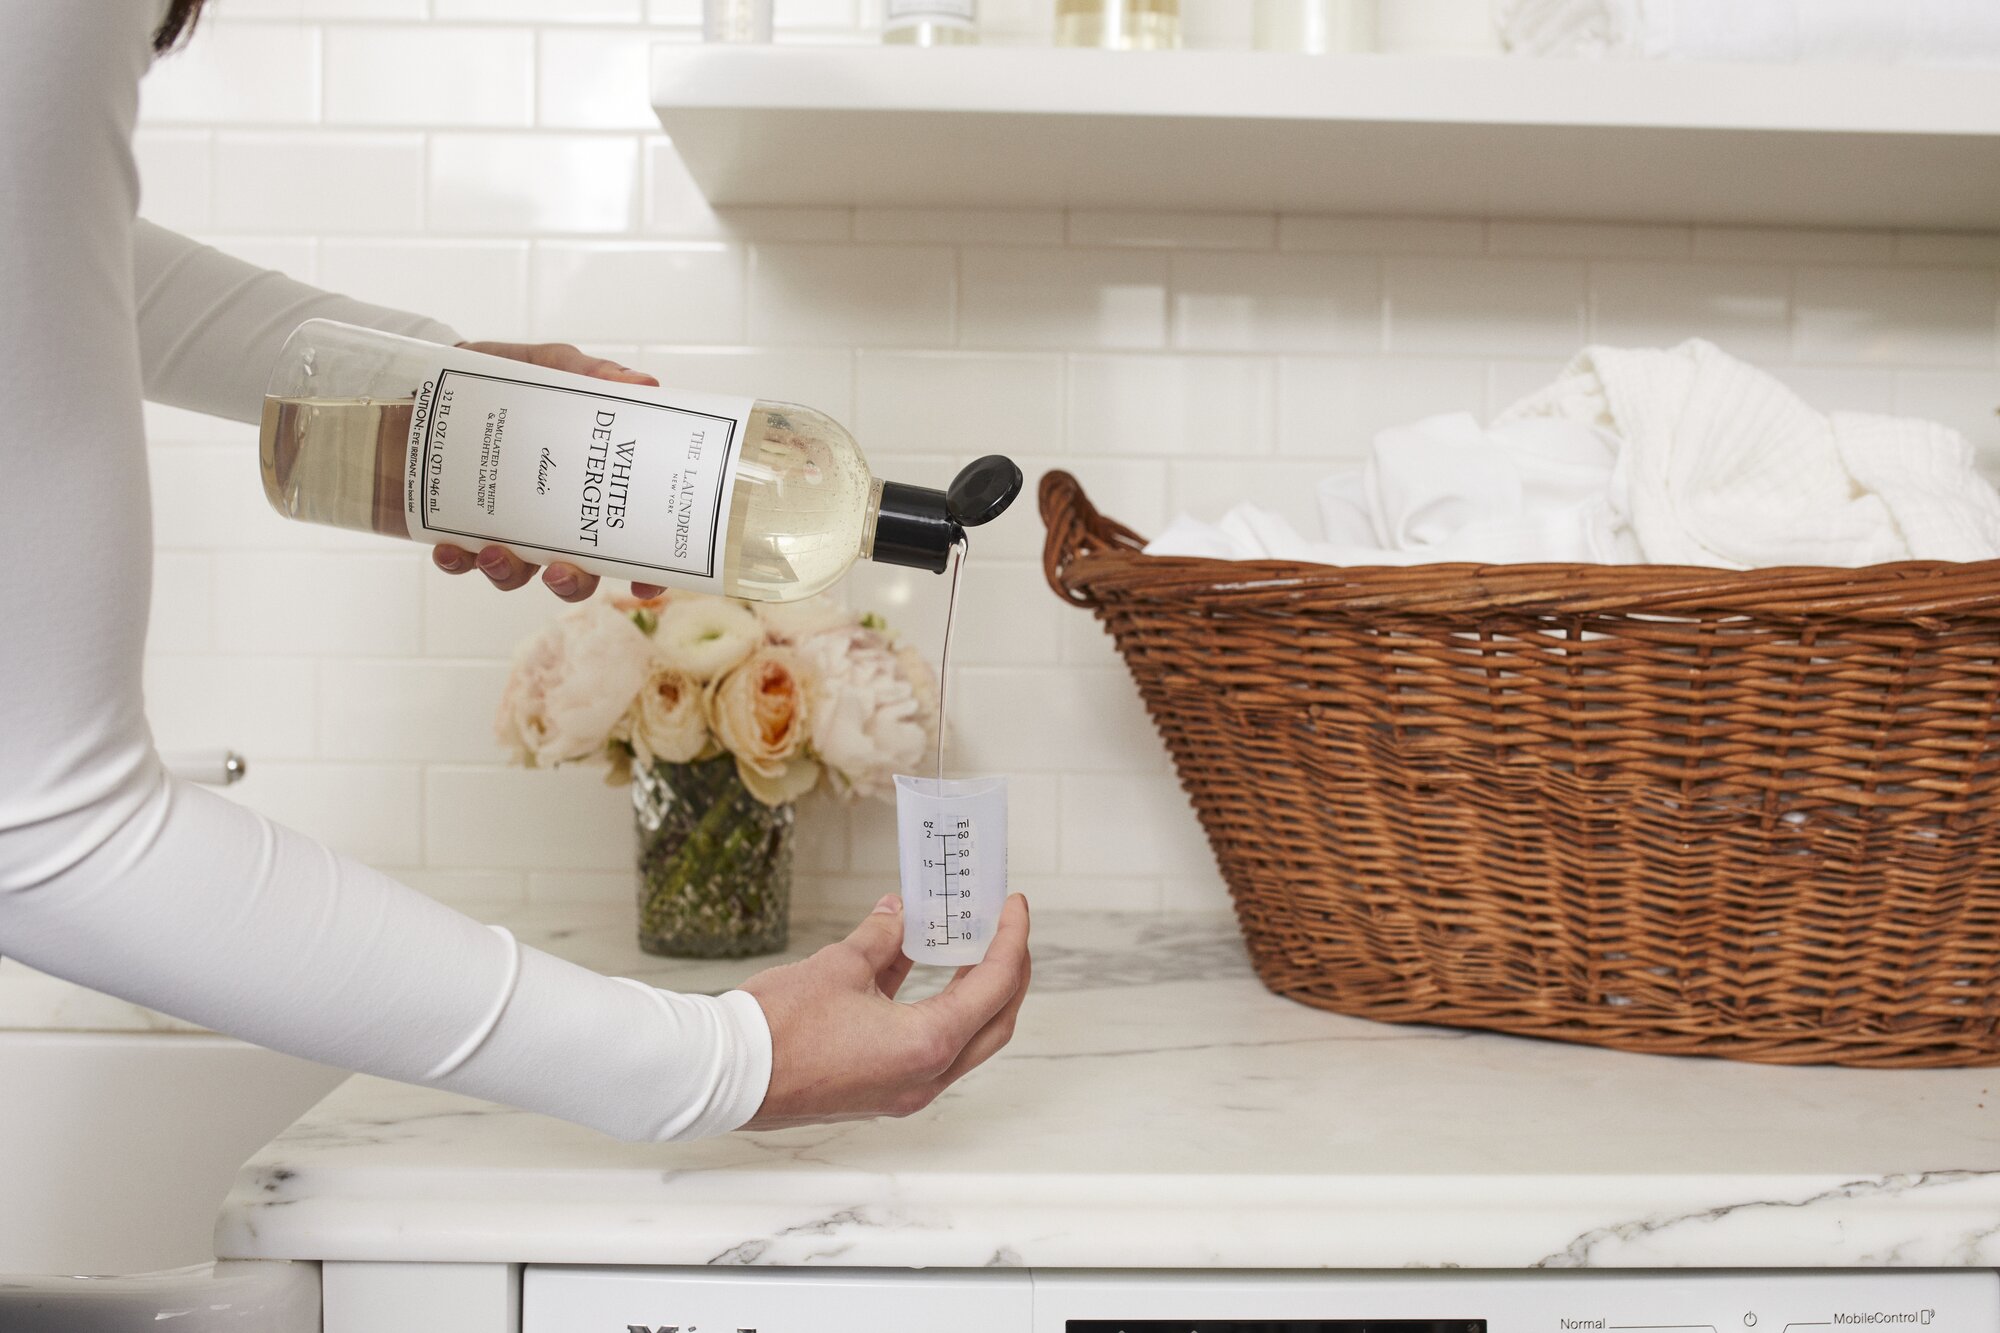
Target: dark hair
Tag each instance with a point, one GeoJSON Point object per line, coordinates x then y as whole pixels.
{"type": "Point", "coordinates": [177, 25]}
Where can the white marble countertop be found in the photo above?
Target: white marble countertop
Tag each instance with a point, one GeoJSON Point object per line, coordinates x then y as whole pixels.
{"type": "Point", "coordinates": [1159, 1108]}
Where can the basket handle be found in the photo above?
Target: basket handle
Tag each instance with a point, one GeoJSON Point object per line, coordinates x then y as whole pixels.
{"type": "Point", "coordinates": [1075, 530]}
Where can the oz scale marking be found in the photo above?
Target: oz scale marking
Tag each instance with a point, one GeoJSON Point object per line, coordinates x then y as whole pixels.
{"type": "Point", "coordinates": [949, 852]}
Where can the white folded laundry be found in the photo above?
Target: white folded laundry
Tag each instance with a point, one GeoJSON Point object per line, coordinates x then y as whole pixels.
{"type": "Point", "coordinates": [1680, 456]}
{"type": "Point", "coordinates": [1926, 32]}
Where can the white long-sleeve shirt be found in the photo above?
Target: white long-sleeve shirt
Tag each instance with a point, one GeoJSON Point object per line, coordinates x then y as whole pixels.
{"type": "Point", "coordinates": [118, 876]}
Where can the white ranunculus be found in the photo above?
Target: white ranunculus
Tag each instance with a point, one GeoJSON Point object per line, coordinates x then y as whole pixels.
{"type": "Point", "coordinates": [792, 623]}
{"type": "Point", "coordinates": [870, 718]}
{"type": "Point", "coordinates": [667, 724]}
{"type": "Point", "coordinates": [571, 686]}
{"type": "Point", "coordinates": [704, 637]}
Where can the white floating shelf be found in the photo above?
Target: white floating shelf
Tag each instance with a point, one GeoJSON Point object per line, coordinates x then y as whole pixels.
{"type": "Point", "coordinates": [1248, 131]}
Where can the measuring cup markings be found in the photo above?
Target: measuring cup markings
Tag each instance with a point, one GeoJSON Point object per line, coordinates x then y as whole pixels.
{"type": "Point", "coordinates": [954, 863]}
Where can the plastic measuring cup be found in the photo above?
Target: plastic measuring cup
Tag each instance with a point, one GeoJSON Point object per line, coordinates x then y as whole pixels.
{"type": "Point", "coordinates": [953, 838]}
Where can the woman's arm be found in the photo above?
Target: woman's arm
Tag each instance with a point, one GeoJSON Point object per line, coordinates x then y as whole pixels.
{"type": "Point", "coordinates": [115, 875]}
{"type": "Point", "coordinates": [210, 325]}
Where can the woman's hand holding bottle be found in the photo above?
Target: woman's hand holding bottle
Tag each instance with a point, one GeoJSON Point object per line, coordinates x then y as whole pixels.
{"type": "Point", "coordinates": [507, 570]}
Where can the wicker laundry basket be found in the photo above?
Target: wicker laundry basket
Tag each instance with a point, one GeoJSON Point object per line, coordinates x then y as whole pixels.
{"type": "Point", "coordinates": [1683, 811]}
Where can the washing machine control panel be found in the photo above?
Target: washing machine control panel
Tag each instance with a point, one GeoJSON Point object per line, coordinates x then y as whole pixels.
{"type": "Point", "coordinates": [749, 1300]}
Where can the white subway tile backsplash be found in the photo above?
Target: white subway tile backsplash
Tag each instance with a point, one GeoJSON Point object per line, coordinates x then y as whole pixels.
{"type": "Point", "coordinates": [237, 73]}
{"type": "Point", "coordinates": [327, 183]}
{"type": "Point", "coordinates": [959, 402]}
{"type": "Point", "coordinates": [292, 256]}
{"type": "Point", "coordinates": [494, 162]}
{"type": "Point", "coordinates": [1332, 407]}
{"type": "Point", "coordinates": [595, 80]}
{"type": "Point", "coordinates": [174, 177]}
{"type": "Point", "coordinates": [675, 207]}
{"type": "Point", "coordinates": [820, 379]}
{"type": "Point", "coordinates": [583, 886]}
{"type": "Point", "coordinates": [371, 812]}
{"type": "Point", "coordinates": [1968, 401]}
{"type": "Point", "coordinates": [1531, 306]}
{"type": "Point", "coordinates": [1208, 488]}
{"type": "Point", "coordinates": [1382, 236]}
{"type": "Point", "coordinates": [970, 226]}
{"type": "Point", "coordinates": [1905, 316]}
{"type": "Point", "coordinates": [638, 292]}
{"type": "Point", "coordinates": [349, 10]}
{"type": "Point", "coordinates": [1276, 302]}
{"type": "Point", "coordinates": [430, 75]}
{"type": "Point", "coordinates": [1744, 309]}
{"type": "Point", "coordinates": [414, 711]}
{"type": "Point", "coordinates": [1566, 240]}
{"type": "Point", "coordinates": [526, 819]}
{"type": "Point", "coordinates": [1127, 824]}
{"type": "Point", "coordinates": [1791, 245]}
{"type": "Point", "coordinates": [262, 707]}
{"type": "Point", "coordinates": [1133, 491]}
{"type": "Point", "coordinates": [520, 184]}
{"type": "Point", "coordinates": [1949, 247]}
{"type": "Point", "coordinates": [867, 296]}
{"type": "Point", "coordinates": [327, 604]}
{"type": "Point", "coordinates": [1170, 406]}
{"type": "Point", "coordinates": [478, 287]}
{"type": "Point", "coordinates": [541, 11]}
{"type": "Point", "coordinates": [1196, 231]}
{"type": "Point", "coordinates": [1196, 890]}
{"type": "Point", "coordinates": [465, 616]}
{"type": "Point", "coordinates": [1051, 720]}
{"type": "Point", "coordinates": [1013, 296]}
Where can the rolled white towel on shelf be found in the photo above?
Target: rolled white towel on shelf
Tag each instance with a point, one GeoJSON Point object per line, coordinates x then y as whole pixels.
{"type": "Point", "coordinates": [1877, 32]}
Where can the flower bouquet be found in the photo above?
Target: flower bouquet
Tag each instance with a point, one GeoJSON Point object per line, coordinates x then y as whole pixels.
{"type": "Point", "coordinates": [721, 715]}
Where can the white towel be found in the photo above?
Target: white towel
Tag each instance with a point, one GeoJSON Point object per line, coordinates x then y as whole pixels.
{"type": "Point", "coordinates": [1684, 456]}
{"type": "Point", "coordinates": [1922, 32]}
{"type": "Point", "coordinates": [1723, 465]}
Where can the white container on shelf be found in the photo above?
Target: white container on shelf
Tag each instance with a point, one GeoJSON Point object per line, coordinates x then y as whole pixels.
{"type": "Point", "coordinates": [1316, 27]}
{"type": "Point", "coordinates": [736, 21]}
{"type": "Point", "coordinates": [930, 22]}
{"type": "Point", "coordinates": [1437, 28]}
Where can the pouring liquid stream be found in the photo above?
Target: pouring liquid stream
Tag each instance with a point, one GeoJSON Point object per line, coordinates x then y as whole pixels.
{"type": "Point", "coordinates": [958, 551]}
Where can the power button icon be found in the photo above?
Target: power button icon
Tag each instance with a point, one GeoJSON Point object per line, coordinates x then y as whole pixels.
{"type": "Point", "coordinates": [1750, 1320]}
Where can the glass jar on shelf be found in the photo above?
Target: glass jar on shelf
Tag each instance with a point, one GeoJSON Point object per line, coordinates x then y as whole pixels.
{"type": "Point", "coordinates": [736, 21]}
{"type": "Point", "coordinates": [930, 22]}
{"type": "Point", "coordinates": [1315, 27]}
{"type": "Point", "coordinates": [1119, 25]}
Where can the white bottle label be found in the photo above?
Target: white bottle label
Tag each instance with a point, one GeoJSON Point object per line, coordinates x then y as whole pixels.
{"type": "Point", "coordinates": [953, 13]}
{"type": "Point", "coordinates": [623, 480]}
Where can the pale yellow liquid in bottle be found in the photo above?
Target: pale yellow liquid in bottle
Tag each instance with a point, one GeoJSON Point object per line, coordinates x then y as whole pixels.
{"type": "Point", "coordinates": [802, 507]}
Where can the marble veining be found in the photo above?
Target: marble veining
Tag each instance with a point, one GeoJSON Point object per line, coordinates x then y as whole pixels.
{"type": "Point", "coordinates": [1159, 1108]}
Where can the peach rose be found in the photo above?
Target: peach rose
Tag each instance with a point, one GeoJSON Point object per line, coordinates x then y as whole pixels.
{"type": "Point", "coordinates": [759, 713]}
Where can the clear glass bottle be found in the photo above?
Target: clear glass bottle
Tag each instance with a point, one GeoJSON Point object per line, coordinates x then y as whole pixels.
{"type": "Point", "coordinates": [1121, 25]}
{"type": "Point", "coordinates": [930, 22]}
{"type": "Point", "coordinates": [768, 501]}
{"type": "Point", "coordinates": [1315, 27]}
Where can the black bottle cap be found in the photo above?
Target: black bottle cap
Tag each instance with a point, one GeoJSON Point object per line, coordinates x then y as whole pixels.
{"type": "Point", "coordinates": [916, 526]}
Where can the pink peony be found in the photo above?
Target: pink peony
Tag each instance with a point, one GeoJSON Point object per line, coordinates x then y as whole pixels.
{"type": "Point", "coordinates": [873, 709]}
{"type": "Point", "coordinates": [571, 686]}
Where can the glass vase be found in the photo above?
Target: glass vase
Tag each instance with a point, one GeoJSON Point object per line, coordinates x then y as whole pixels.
{"type": "Point", "coordinates": [715, 863]}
